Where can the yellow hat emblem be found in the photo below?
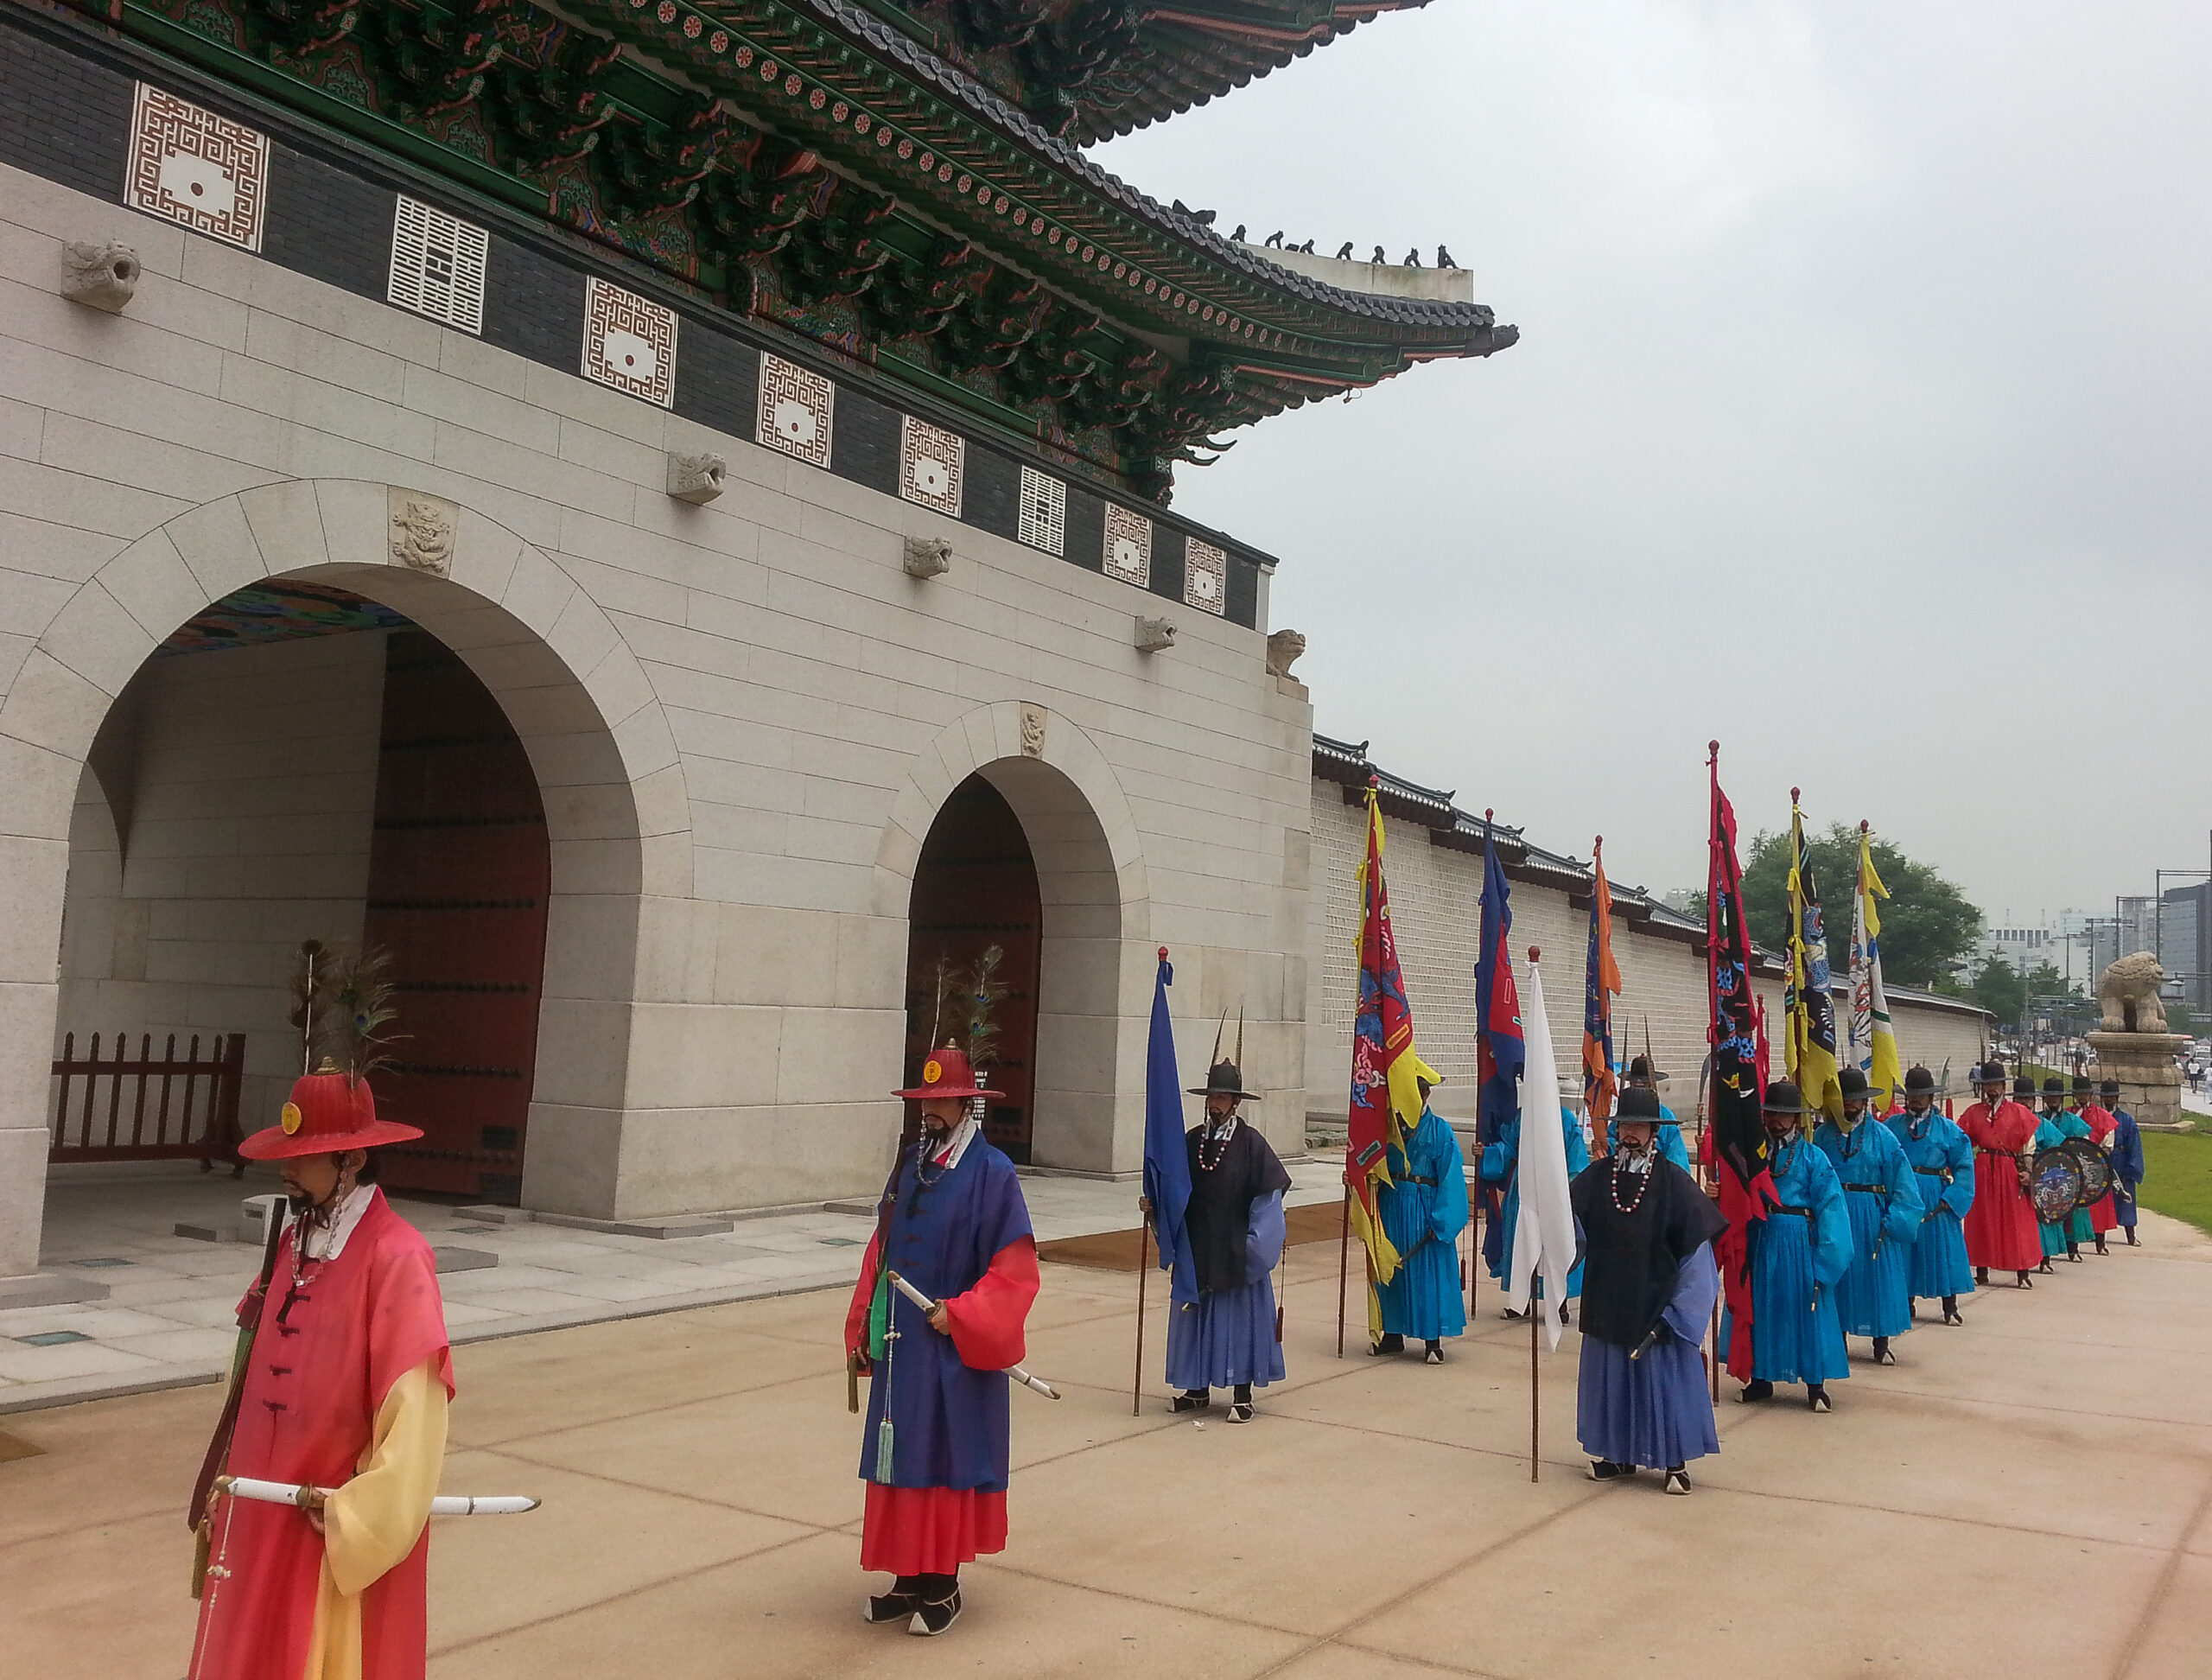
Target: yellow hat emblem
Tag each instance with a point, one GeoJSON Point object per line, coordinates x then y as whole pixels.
{"type": "Point", "coordinates": [289, 1118]}
{"type": "Point", "coordinates": [933, 1071]}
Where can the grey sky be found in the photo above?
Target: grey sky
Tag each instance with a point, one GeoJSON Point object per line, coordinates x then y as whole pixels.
{"type": "Point", "coordinates": [1859, 419]}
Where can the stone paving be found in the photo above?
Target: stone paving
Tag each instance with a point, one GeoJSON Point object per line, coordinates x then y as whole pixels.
{"type": "Point", "coordinates": [169, 1317]}
{"type": "Point", "coordinates": [2029, 1496]}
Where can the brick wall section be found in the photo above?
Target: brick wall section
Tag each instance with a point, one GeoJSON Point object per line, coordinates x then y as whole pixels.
{"type": "Point", "coordinates": [1435, 908]}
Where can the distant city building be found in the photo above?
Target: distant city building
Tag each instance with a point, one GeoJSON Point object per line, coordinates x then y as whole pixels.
{"type": "Point", "coordinates": [2184, 942]}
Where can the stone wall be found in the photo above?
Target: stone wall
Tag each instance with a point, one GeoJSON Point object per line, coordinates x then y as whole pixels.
{"type": "Point", "coordinates": [1435, 908]}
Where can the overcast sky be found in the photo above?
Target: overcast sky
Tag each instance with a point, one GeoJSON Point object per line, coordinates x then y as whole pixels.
{"type": "Point", "coordinates": [1859, 418]}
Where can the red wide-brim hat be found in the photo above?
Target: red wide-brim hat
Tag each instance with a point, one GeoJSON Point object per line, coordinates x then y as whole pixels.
{"type": "Point", "coordinates": [328, 1111]}
{"type": "Point", "coordinates": [946, 1073]}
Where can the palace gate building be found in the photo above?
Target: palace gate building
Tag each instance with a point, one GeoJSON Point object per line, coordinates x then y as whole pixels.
{"type": "Point", "coordinates": [656, 512]}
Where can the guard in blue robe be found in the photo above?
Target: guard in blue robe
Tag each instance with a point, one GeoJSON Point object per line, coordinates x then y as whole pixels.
{"type": "Point", "coordinates": [1882, 1195]}
{"type": "Point", "coordinates": [1502, 1165]}
{"type": "Point", "coordinates": [1424, 1209]}
{"type": "Point", "coordinates": [2052, 1232]}
{"type": "Point", "coordinates": [1649, 1283]}
{"type": "Point", "coordinates": [1797, 1253]}
{"type": "Point", "coordinates": [1641, 1077]}
{"type": "Point", "coordinates": [1227, 1338]}
{"type": "Point", "coordinates": [1942, 1161]}
{"type": "Point", "coordinates": [2126, 1149]}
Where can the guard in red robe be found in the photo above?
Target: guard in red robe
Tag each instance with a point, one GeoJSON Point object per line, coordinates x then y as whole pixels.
{"type": "Point", "coordinates": [2000, 1225]}
{"type": "Point", "coordinates": [934, 1455]}
{"type": "Point", "coordinates": [343, 1391]}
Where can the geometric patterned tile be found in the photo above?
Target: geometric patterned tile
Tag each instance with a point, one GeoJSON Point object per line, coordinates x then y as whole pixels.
{"type": "Point", "coordinates": [797, 407]}
{"type": "Point", "coordinates": [1128, 546]}
{"type": "Point", "coordinates": [191, 166]}
{"type": "Point", "coordinates": [438, 265]}
{"type": "Point", "coordinates": [629, 343]}
{"type": "Point", "coordinates": [1205, 576]}
{"type": "Point", "coordinates": [930, 463]}
{"type": "Point", "coordinates": [1043, 511]}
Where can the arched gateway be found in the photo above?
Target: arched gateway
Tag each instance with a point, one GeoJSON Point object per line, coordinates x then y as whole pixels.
{"type": "Point", "coordinates": [489, 667]}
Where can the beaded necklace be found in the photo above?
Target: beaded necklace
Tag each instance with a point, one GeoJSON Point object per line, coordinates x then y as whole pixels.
{"type": "Point", "coordinates": [1642, 1184]}
{"type": "Point", "coordinates": [1207, 1135]}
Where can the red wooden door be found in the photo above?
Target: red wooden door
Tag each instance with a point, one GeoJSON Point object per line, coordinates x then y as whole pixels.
{"type": "Point", "coordinates": [458, 874]}
{"type": "Point", "coordinates": [976, 886]}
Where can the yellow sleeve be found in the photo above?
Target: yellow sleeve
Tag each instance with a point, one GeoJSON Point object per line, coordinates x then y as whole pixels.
{"type": "Point", "coordinates": [374, 1520]}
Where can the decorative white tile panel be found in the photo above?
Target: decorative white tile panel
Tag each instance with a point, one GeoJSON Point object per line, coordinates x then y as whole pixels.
{"type": "Point", "coordinates": [189, 166]}
{"type": "Point", "coordinates": [1043, 511]}
{"type": "Point", "coordinates": [629, 343]}
{"type": "Point", "coordinates": [438, 263]}
{"type": "Point", "coordinates": [1205, 576]}
{"type": "Point", "coordinates": [931, 465]}
{"type": "Point", "coordinates": [1128, 546]}
{"type": "Point", "coordinates": [796, 411]}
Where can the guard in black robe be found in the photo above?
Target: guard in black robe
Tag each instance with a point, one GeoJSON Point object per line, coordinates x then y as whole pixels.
{"type": "Point", "coordinates": [1649, 1283]}
{"type": "Point", "coordinates": [1227, 1337]}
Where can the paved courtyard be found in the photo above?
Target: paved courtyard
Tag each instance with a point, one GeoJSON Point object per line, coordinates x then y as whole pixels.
{"type": "Point", "coordinates": [2030, 1495]}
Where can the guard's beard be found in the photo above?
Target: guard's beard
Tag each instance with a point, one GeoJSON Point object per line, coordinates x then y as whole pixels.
{"type": "Point", "coordinates": [1630, 1158]}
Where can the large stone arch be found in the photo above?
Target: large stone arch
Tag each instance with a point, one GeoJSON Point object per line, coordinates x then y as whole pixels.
{"type": "Point", "coordinates": [1096, 961]}
{"type": "Point", "coordinates": [617, 814]}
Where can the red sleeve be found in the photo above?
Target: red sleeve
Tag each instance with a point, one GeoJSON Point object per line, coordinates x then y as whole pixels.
{"type": "Point", "coordinates": [987, 1323]}
{"type": "Point", "coordinates": [863, 1294]}
{"type": "Point", "coordinates": [2019, 1129]}
{"type": "Point", "coordinates": [407, 1323]}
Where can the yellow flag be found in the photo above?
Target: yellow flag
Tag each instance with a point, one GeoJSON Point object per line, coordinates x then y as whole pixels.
{"type": "Point", "coordinates": [1873, 1043]}
{"type": "Point", "coordinates": [1811, 1041]}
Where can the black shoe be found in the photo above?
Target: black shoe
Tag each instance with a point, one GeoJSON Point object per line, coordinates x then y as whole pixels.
{"type": "Point", "coordinates": [2101, 1249]}
{"type": "Point", "coordinates": [1882, 1354]}
{"type": "Point", "coordinates": [890, 1607]}
{"type": "Point", "coordinates": [2074, 1254]}
{"type": "Point", "coordinates": [1816, 1399]}
{"type": "Point", "coordinates": [1951, 1310]}
{"type": "Point", "coordinates": [1433, 1353]}
{"type": "Point", "coordinates": [1511, 1314]}
{"type": "Point", "coordinates": [2132, 1243]}
{"type": "Point", "coordinates": [1562, 1315]}
{"type": "Point", "coordinates": [1981, 1274]}
{"type": "Point", "coordinates": [1192, 1400]}
{"type": "Point", "coordinates": [1678, 1479]}
{"type": "Point", "coordinates": [2026, 1283]}
{"type": "Point", "coordinates": [1912, 1308]}
{"type": "Point", "coordinates": [931, 1619]}
{"type": "Point", "coordinates": [1757, 1389]}
{"type": "Point", "coordinates": [1393, 1343]}
{"type": "Point", "coordinates": [1240, 1411]}
{"type": "Point", "coordinates": [1606, 1470]}
{"type": "Point", "coordinates": [2046, 1270]}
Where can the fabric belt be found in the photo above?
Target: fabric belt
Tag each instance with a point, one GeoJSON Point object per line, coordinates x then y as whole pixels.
{"type": "Point", "coordinates": [1807, 1211]}
{"type": "Point", "coordinates": [1869, 1189]}
{"type": "Point", "coordinates": [1943, 1173]}
{"type": "Point", "coordinates": [1415, 1178]}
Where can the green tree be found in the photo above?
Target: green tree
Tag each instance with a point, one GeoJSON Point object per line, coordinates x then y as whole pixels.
{"type": "Point", "coordinates": [2003, 991]}
{"type": "Point", "coordinates": [1927, 923]}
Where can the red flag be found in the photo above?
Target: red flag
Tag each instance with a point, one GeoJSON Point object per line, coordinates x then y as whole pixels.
{"type": "Point", "coordinates": [1737, 1034]}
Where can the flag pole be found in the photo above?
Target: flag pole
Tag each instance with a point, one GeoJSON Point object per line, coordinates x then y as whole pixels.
{"type": "Point", "coordinates": [1144, 1265]}
{"type": "Point", "coordinates": [1343, 1270]}
{"type": "Point", "coordinates": [1535, 1392]}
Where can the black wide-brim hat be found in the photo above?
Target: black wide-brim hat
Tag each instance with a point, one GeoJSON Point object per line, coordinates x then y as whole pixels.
{"type": "Point", "coordinates": [1990, 1072]}
{"type": "Point", "coordinates": [2054, 1086]}
{"type": "Point", "coordinates": [2083, 1084]}
{"type": "Point", "coordinates": [1851, 1082]}
{"type": "Point", "coordinates": [1225, 1078]}
{"type": "Point", "coordinates": [1782, 1097]}
{"type": "Point", "coordinates": [1919, 1080]}
{"type": "Point", "coordinates": [1638, 1102]}
{"type": "Point", "coordinates": [2109, 1088]}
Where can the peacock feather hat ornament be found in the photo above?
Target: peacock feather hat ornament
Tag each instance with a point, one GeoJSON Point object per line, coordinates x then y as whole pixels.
{"type": "Point", "coordinates": [1225, 1078]}
{"type": "Point", "coordinates": [341, 1002]}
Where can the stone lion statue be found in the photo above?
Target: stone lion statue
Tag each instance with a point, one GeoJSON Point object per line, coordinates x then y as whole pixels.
{"type": "Point", "coordinates": [2129, 994]}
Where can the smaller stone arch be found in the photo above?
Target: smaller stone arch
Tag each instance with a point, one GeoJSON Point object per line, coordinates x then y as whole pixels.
{"type": "Point", "coordinates": [1091, 879]}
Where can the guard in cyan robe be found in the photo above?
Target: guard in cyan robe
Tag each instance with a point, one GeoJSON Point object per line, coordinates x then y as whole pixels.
{"type": "Point", "coordinates": [1642, 1076]}
{"type": "Point", "coordinates": [1649, 1283]}
{"type": "Point", "coordinates": [2101, 1125]}
{"type": "Point", "coordinates": [1502, 1166]}
{"type": "Point", "coordinates": [2126, 1149]}
{"type": "Point", "coordinates": [1942, 1161]}
{"type": "Point", "coordinates": [2056, 1236]}
{"type": "Point", "coordinates": [1227, 1337]}
{"type": "Point", "coordinates": [2000, 1225]}
{"type": "Point", "coordinates": [1882, 1194]}
{"type": "Point", "coordinates": [953, 1224]}
{"type": "Point", "coordinates": [1424, 1209]}
{"type": "Point", "coordinates": [345, 1393]}
{"type": "Point", "coordinates": [1797, 1253]}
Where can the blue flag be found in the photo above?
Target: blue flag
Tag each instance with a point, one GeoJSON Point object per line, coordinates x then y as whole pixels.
{"type": "Point", "coordinates": [1500, 1049]}
{"type": "Point", "coordinates": [1166, 1161]}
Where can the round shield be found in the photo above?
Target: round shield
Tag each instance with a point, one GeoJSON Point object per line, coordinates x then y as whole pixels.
{"type": "Point", "coordinates": [2096, 1168]}
{"type": "Point", "coordinates": [2054, 1184]}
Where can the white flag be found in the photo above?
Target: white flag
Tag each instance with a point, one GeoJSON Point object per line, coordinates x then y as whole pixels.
{"type": "Point", "coordinates": [1543, 1239]}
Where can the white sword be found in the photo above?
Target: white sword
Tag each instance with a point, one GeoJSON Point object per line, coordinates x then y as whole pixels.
{"type": "Point", "coordinates": [1014, 1371]}
{"type": "Point", "coordinates": [310, 1498]}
